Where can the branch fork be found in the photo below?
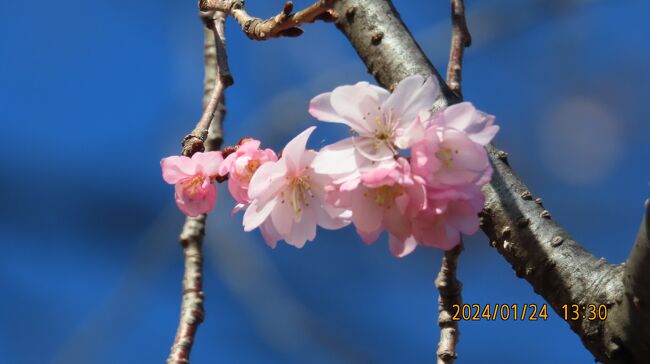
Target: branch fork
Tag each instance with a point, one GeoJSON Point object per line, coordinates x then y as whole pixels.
{"type": "Point", "coordinates": [284, 24]}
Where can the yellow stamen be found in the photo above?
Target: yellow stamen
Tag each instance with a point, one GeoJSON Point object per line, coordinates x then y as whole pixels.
{"type": "Point", "coordinates": [300, 194]}
{"type": "Point", "coordinates": [446, 156]}
{"type": "Point", "coordinates": [190, 185]}
{"type": "Point", "coordinates": [385, 195]}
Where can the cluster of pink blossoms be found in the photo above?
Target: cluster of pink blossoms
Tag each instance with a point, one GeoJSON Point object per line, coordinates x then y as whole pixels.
{"type": "Point", "coordinates": [406, 170]}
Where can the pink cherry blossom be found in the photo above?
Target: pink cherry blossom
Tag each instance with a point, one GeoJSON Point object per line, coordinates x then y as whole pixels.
{"type": "Point", "coordinates": [464, 117]}
{"type": "Point", "coordinates": [240, 167]}
{"type": "Point", "coordinates": [195, 194]}
{"type": "Point", "coordinates": [448, 157]}
{"type": "Point", "coordinates": [385, 198]}
{"type": "Point", "coordinates": [451, 152]}
{"type": "Point", "coordinates": [382, 123]}
{"type": "Point", "coordinates": [450, 212]}
{"type": "Point", "coordinates": [287, 197]}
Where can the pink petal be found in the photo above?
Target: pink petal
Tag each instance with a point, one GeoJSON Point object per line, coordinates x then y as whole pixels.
{"type": "Point", "coordinates": [270, 235]}
{"type": "Point", "coordinates": [237, 190]}
{"type": "Point", "coordinates": [397, 223]}
{"type": "Point", "coordinates": [354, 103]}
{"type": "Point", "coordinates": [371, 236]}
{"type": "Point", "coordinates": [478, 125]}
{"type": "Point", "coordinates": [410, 135]}
{"type": "Point", "coordinates": [332, 218]}
{"type": "Point", "coordinates": [177, 168]}
{"type": "Point", "coordinates": [412, 95]}
{"type": "Point", "coordinates": [321, 108]}
{"type": "Point", "coordinates": [303, 230]}
{"type": "Point", "coordinates": [283, 214]}
{"type": "Point", "coordinates": [268, 180]}
{"type": "Point", "coordinates": [257, 212]}
{"type": "Point", "coordinates": [401, 248]}
{"type": "Point", "coordinates": [238, 207]}
{"type": "Point", "coordinates": [208, 162]}
{"type": "Point", "coordinates": [368, 148]}
{"type": "Point", "coordinates": [202, 203]}
{"type": "Point", "coordinates": [337, 159]}
{"type": "Point", "coordinates": [366, 215]}
{"type": "Point", "coordinates": [293, 152]}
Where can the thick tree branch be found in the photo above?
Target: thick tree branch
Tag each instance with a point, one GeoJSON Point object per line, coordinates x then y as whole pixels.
{"type": "Point", "coordinates": [217, 78]}
{"type": "Point", "coordinates": [460, 39]}
{"type": "Point", "coordinates": [539, 250]}
{"type": "Point", "coordinates": [285, 24]}
{"type": "Point", "coordinates": [634, 315]}
{"type": "Point", "coordinates": [449, 289]}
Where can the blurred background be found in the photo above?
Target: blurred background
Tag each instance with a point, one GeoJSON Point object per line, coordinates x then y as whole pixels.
{"type": "Point", "coordinates": [94, 94]}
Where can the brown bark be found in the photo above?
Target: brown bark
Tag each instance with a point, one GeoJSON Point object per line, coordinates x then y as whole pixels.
{"type": "Point", "coordinates": [449, 289]}
{"type": "Point", "coordinates": [209, 131]}
{"type": "Point", "coordinates": [285, 24]}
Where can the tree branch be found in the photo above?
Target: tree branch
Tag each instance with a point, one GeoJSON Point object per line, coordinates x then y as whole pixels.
{"type": "Point", "coordinates": [217, 78]}
{"type": "Point", "coordinates": [460, 39]}
{"type": "Point", "coordinates": [192, 311]}
{"type": "Point", "coordinates": [539, 250]}
{"type": "Point", "coordinates": [449, 289]}
{"type": "Point", "coordinates": [285, 24]}
{"type": "Point", "coordinates": [193, 142]}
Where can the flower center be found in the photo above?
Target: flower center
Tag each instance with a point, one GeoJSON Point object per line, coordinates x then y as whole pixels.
{"type": "Point", "coordinates": [385, 195]}
{"type": "Point", "coordinates": [191, 185]}
{"type": "Point", "coordinates": [300, 193]}
{"type": "Point", "coordinates": [446, 156]}
{"type": "Point", "coordinates": [252, 166]}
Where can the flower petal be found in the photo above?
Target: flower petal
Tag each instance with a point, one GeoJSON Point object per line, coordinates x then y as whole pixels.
{"type": "Point", "coordinates": [270, 235]}
{"type": "Point", "coordinates": [267, 181]}
{"type": "Point", "coordinates": [208, 162]}
{"type": "Point", "coordinates": [337, 159]}
{"type": "Point", "coordinates": [401, 248]}
{"type": "Point", "coordinates": [303, 230]}
{"type": "Point", "coordinates": [194, 206]}
{"type": "Point", "coordinates": [358, 105]}
{"type": "Point", "coordinates": [293, 152]}
{"type": "Point", "coordinates": [412, 95]}
{"type": "Point", "coordinates": [177, 168]}
{"type": "Point", "coordinates": [283, 215]}
{"type": "Point", "coordinates": [257, 213]}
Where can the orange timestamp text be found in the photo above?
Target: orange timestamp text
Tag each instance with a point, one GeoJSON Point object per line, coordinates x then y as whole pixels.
{"type": "Point", "coordinates": [503, 312]}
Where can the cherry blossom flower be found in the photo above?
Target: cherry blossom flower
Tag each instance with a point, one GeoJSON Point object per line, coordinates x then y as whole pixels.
{"type": "Point", "coordinates": [451, 152]}
{"type": "Point", "coordinates": [450, 213]}
{"type": "Point", "coordinates": [464, 117]}
{"type": "Point", "coordinates": [287, 197]}
{"type": "Point", "coordinates": [240, 167]}
{"type": "Point", "coordinates": [385, 198]}
{"type": "Point", "coordinates": [195, 194]}
{"type": "Point", "coordinates": [382, 123]}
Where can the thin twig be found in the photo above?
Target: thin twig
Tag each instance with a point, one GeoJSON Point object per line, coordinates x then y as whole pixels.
{"type": "Point", "coordinates": [193, 142]}
{"type": "Point", "coordinates": [449, 287]}
{"type": "Point", "coordinates": [192, 311]}
{"type": "Point", "coordinates": [449, 291]}
{"type": "Point", "coordinates": [460, 39]}
{"type": "Point", "coordinates": [217, 78]}
{"type": "Point", "coordinates": [285, 24]}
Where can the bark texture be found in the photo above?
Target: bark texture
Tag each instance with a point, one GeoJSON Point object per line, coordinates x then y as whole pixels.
{"type": "Point", "coordinates": [539, 250]}
{"type": "Point", "coordinates": [217, 79]}
{"type": "Point", "coordinates": [449, 289]}
{"type": "Point", "coordinates": [285, 24]}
